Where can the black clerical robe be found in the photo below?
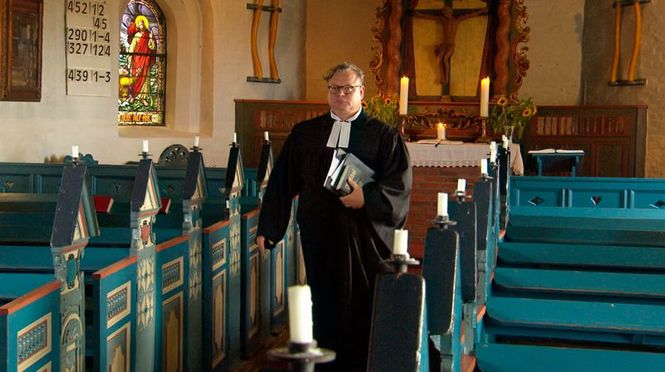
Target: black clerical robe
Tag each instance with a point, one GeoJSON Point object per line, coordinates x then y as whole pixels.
{"type": "Point", "coordinates": [343, 248]}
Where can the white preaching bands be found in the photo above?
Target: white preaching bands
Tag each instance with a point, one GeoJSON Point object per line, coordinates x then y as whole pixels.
{"type": "Point", "coordinates": [341, 131]}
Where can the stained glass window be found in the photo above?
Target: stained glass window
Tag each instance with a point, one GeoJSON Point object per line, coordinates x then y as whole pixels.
{"type": "Point", "coordinates": [142, 69]}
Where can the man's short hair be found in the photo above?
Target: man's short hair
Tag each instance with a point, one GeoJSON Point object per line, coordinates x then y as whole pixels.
{"type": "Point", "coordinates": [344, 66]}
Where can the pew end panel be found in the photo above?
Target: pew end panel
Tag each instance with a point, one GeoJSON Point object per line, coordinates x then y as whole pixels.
{"type": "Point", "coordinates": [171, 297]}
{"type": "Point", "coordinates": [221, 315]}
{"type": "Point", "coordinates": [255, 286]}
{"type": "Point", "coordinates": [442, 272]}
{"type": "Point", "coordinates": [30, 326]}
{"type": "Point", "coordinates": [113, 335]}
{"type": "Point", "coordinates": [398, 338]}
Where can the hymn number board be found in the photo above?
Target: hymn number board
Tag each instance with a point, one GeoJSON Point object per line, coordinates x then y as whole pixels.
{"type": "Point", "coordinates": [88, 47]}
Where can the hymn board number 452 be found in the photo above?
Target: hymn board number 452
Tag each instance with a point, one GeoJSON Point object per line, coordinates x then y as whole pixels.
{"type": "Point", "coordinates": [88, 48]}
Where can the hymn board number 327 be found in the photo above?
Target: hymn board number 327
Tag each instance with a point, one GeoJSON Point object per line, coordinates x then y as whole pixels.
{"type": "Point", "coordinates": [88, 48]}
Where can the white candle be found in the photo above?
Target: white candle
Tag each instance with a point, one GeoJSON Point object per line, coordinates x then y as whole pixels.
{"type": "Point", "coordinates": [442, 204]}
{"type": "Point", "coordinates": [505, 142]}
{"type": "Point", "coordinates": [484, 97]}
{"type": "Point", "coordinates": [483, 166]}
{"type": "Point", "coordinates": [145, 145]}
{"type": "Point", "coordinates": [266, 137]}
{"type": "Point", "coordinates": [440, 131]}
{"type": "Point", "coordinates": [492, 152]}
{"type": "Point", "coordinates": [401, 242]}
{"type": "Point", "coordinates": [235, 137]}
{"type": "Point", "coordinates": [461, 184]}
{"type": "Point", "coordinates": [196, 141]}
{"type": "Point", "coordinates": [403, 95]}
{"type": "Point", "coordinates": [75, 151]}
{"type": "Point", "coordinates": [300, 314]}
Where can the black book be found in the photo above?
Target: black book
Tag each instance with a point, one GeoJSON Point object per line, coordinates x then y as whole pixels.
{"type": "Point", "coordinates": [349, 166]}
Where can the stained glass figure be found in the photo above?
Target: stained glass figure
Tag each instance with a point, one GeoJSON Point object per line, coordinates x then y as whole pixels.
{"type": "Point", "coordinates": [142, 67]}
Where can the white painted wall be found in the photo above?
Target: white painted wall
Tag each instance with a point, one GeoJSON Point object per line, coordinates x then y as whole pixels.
{"type": "Point", "coordinates": [555, 52]}
{"type": "Point", "coordinates": [210, 38]}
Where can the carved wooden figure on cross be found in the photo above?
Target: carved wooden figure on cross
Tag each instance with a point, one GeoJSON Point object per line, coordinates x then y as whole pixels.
{"type": "Point", "coordinates": [450, 19]}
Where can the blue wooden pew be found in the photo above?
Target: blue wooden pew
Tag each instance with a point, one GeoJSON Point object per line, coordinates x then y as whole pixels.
{"type": "Point", "coordinates": [29, 320]}
{"type": "Point", "coordinates": [579, 277]}
{"type": "Point", "coordinates": [442, 272]}
{"type": "Point", "coordinates": [642, 193]}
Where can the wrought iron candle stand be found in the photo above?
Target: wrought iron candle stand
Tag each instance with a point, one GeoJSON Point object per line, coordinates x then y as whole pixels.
{"type": "Point", "coordinates": [402, 261]}
{"type": "Point", "coordinates": [484, 138]}
{"type": "Point", "coordinates": [402, 127]}
{"type": "Point", "coordinates": [301, 356]}
{"type": "Point", "coordinates": [461, 195]}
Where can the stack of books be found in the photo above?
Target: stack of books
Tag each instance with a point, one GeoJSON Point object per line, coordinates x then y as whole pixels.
{"type": "Point", "coordinates": [344, 166]}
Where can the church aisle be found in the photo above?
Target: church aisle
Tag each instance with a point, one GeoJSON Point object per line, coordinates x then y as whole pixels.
{"type": "Point", "coordinates": [260, 360]}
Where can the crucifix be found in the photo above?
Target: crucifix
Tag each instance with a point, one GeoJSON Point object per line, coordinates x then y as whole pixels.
{"type": "Point", "coordinates": [450, 19]}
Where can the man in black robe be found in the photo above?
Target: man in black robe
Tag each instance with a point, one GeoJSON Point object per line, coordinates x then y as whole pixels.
{"type": "Point", "coordinates": [346, 239]}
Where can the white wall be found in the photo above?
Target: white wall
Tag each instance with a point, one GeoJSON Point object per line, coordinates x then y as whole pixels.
{"type": "Point", "coordinates": [555, 52]}
{"type": "Point", "coordinates": [210, 36]}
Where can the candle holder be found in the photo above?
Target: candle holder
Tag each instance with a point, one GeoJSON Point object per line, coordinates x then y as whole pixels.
{"type": "Point", "coordinates": [301, 356]}
{"type": "Point", "coordinates": [443, 222]}
{"type": "Point", "coordinates": [402, 127]}
{"type": "Point", "coordinates": [144, 155]}
{"type": "Point", "coordinates": [461, 194]}
{"type": "Point", "coordinates": [484, 138]}
{"type": "Point", "coordinates": [401, 261]}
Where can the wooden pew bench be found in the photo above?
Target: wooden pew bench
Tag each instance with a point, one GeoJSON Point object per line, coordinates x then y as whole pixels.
{"type": "Point", "coordinates": [42, 237]}
{"type": "Point", "coordinates": [587, 279]}
{"type": "Point", "coordinates": [641, 193]}
{"type": "Point", "coordinates": [113, 272]}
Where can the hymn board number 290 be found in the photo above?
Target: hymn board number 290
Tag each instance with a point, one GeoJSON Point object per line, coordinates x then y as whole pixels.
{"type": "Point", "coordinates": [88, 48]}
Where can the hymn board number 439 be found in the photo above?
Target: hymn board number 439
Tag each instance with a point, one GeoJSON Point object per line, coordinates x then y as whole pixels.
{"type": "Point", "coordinates": [88, 48]}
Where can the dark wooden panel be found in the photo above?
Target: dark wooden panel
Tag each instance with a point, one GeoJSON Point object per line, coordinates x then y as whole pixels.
{"type": "Point", "coordinates": [253, 117]}
{"type": "Point", "coordinates": [612, 137]}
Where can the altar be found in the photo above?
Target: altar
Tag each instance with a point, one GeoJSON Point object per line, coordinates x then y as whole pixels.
{"type": "Point", "coordinates": [436, 168]}
{"type": "Point", "coordinates": [458, 154]}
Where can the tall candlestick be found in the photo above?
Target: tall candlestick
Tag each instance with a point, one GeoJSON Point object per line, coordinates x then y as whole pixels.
{"type": "Point", "coordinates": [196, 141]}
{"type": "Point", "coordinates": [442, 204]}
{"type": "Point", "coordinates": [75, 151]}
{"type": "Point", "coordinates": [505, 143]}
{"type": "Point", "coordinates": [403, 95]}
{"type": "Point", "coordinates": [440, 131]}
{"type": "Point", "coordinates": [483, 166]}
{"type": "Point", "coordinates": [235, 137]}
{"type": "Point", "coordinates": [300, 314]}
{"type": "Point", "coordinates": [401, 242]}
{"type": "Point", "coordinates": [145, 145]}
{"type": "Point", "coordinates": [266, 137]}
{"type": "Point", "coordinates": [484, 97]}
{"type": "Point", "coordinates": [461, 184]}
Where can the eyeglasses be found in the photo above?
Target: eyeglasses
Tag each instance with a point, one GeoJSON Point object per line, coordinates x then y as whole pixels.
{"type": "Point", "coordinates": [346, 89]}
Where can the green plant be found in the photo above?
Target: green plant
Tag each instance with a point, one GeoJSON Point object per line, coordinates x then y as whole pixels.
{"type": "Point", "coordinates": [517, 115]}
{"type": "Point", "coordinates": [382, 108]}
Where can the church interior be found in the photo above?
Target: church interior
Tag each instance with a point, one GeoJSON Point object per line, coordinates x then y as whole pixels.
{"type": "Point", "coordinates": [141, 136]}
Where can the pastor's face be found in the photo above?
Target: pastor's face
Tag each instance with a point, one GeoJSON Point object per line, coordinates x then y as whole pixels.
{"type": "Point", "coordinates": [343, 104]}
